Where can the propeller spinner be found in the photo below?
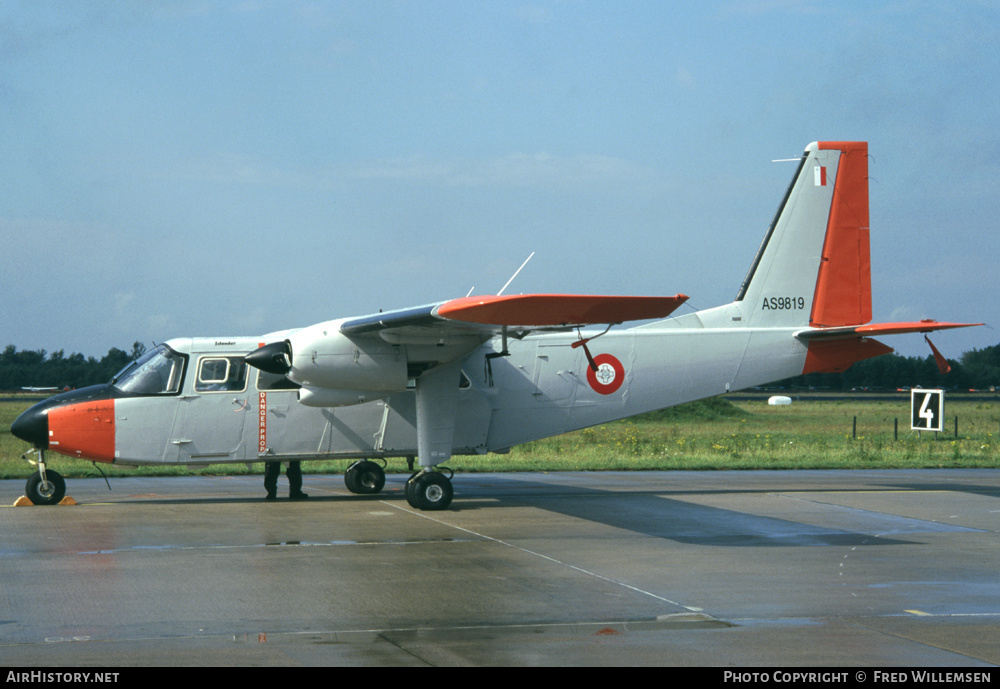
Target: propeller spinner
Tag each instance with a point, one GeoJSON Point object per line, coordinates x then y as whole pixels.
{"type": "Point", "coordinates": [273, 358]}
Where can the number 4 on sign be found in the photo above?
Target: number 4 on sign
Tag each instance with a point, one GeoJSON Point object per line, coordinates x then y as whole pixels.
{"type": "Point", "coordinates": [927, 410]}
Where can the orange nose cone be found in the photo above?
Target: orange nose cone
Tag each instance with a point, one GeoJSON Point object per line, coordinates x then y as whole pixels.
{"type": "Point", "coordinates": [86, 430]}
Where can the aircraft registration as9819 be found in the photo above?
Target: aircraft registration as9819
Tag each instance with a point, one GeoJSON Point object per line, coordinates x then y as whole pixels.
{"type": "Point", "coordinates": [482, 374]}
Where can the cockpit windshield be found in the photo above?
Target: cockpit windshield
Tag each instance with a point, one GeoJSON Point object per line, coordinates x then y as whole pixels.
{"type": "Point", "coordinates": [158, 372]}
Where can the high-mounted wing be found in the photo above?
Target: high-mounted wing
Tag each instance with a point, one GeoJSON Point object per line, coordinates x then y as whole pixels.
{"type": "Point", "coordinates": [530, 311]}
{"type": "Point", "coordinates": [357, 359]}
{"type": "Point", "coordinates": [539, 310]}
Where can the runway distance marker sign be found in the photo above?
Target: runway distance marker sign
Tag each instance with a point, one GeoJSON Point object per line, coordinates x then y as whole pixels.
{"type": "Point", "coordinates": [927, 410]}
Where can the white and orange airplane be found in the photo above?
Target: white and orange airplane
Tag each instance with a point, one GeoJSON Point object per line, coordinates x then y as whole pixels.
{"type": "Point", "coordinates": [482, 374]}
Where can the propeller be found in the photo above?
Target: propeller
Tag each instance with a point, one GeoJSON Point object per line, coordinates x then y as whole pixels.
{"type": "Point", "coordinates": [273, 358]}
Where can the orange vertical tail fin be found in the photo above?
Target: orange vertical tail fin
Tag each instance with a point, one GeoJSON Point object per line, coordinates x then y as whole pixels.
{"type": "Point", "coordinates": [844, 284]}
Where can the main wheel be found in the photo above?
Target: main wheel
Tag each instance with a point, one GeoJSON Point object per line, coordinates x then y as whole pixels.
{"type": "Point", "coordinates": [429, 491]}
{"type": "Point", "coordinates": [365, 478]}
{"type": "Point", "coordinates": [47, 492]}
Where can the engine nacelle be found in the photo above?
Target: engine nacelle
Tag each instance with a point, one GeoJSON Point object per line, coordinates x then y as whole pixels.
{"type": "Point", "coordinates": [329, 397]}
{"type": "Point", "coordinates": [322, 357]}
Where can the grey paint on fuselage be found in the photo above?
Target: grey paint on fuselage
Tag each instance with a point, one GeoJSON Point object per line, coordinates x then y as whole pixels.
{"type": "Point", "coordinates": [200, 427]}
{"type": "Point", "coordinates": [539, 390]}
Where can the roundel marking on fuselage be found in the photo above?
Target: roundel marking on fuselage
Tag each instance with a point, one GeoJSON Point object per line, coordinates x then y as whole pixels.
{"type": "Point", "coordinates": [608, 377]}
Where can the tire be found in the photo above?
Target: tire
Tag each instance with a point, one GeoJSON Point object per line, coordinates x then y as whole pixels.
{"type": "Point", "coordinates": [430, 491]}
{"type": "Point", "coordinates": [349, 478]}
{"type": "Point", "coordinates": [48, 492]}
{"type": "Point", "coordinates": [408, 488]}
{"type": "Point", "coordinates": [365, 478]}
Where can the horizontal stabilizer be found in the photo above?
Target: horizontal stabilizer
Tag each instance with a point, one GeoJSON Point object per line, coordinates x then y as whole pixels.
{"type": "Point", "coordinates": [539, 310]}
{"type": "Point", "coordinates": [872, 329]}
{"type": "Point", "coordinates": [835, 349]}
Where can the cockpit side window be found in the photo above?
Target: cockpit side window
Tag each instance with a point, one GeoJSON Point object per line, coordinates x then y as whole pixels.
{"type": "Point", "coordinates": [159, 372]}
{"type": "Point", "coordinates": [221, 374]}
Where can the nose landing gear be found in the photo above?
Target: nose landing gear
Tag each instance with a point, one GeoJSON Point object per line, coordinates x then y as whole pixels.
{"type": "Point", "coordinates": [46, 487]}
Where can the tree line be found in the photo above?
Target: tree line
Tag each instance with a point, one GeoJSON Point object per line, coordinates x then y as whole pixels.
{"type": "Point", "coordinates": [38, 368]}
{"type": "Point", "coordinates": [977, 369]}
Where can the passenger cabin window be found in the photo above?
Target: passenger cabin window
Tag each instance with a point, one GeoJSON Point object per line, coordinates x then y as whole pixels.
{"type": "Point", "coordinates": [221, 374]}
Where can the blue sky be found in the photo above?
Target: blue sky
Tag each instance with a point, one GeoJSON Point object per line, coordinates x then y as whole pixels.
{"type": "Point", "coordinates": [224, 168]}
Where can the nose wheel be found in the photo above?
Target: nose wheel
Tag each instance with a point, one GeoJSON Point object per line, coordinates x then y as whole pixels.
{"type": "Point", "coordinates": [45, 488]}
{"type": "Point", "coordinates": [429, 490]}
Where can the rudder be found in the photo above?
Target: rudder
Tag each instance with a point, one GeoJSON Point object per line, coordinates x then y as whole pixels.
{"type": "Point", "coordinates": [844, 284]}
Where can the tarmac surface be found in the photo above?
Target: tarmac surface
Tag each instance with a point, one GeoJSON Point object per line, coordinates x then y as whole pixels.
{"type": "Point", "coordinates": [736, 569]}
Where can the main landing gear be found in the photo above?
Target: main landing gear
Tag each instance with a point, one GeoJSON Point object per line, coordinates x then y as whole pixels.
{"type": "Point", "coordinates": [425, 490]}
{"type": "Point", "coordinates": [429, 490]}
{"type": "Point", "coordinates": [364, 477]}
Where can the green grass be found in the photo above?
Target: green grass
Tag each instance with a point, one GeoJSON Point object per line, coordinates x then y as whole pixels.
{"type": "Point", "coordinates": [717, 434]}
{"type": "Point", "coordinates": [709, 435]}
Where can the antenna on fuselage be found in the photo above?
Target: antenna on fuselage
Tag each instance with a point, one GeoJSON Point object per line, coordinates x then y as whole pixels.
{"type": "Point", "coordinates": [515, 274]}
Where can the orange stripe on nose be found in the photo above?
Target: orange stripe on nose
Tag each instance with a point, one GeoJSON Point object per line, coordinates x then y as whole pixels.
{"type": "Point", "coordinates": [84, 430]}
